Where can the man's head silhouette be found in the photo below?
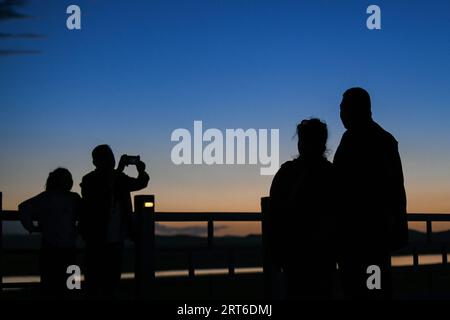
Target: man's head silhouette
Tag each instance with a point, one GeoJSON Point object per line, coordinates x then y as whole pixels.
{"type": "Point", "coordinates": [103, 157]}
{"type": "Point", "coordinates": [356, 108]}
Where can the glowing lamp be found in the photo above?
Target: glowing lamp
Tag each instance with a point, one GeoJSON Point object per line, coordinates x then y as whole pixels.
{"type": "Point", "coordinates": [148, 204]}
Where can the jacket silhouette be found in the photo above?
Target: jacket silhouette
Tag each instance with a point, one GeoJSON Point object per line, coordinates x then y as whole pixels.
{"type": "Point", "coordinates": [104, 191]}
{"type": "Point", "coordinates": [106, 219]}
{"type": "Point", "coordinates": [372, 199]}
{"type": "Point", "coordinates": [301, 214]}
{"type": "Point", "coordinates": [56, 211]}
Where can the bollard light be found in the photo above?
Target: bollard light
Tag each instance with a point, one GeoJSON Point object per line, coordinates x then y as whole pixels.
{"type": "Point", "coordinates": [149, 204]}
{"type": "Point", "coordinates": [144, 241]}
{"type": "Point", "coordinates": [144, 203]}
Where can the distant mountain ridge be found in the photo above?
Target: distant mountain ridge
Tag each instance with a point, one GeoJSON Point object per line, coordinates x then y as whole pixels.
{"type": "Point", "coordinates": [166, 241]}
{"type": "Point", "coordinates": [32, 241]}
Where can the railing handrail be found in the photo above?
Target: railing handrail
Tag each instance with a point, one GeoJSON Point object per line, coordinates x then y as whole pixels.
{"type": "Point", "coordinates": [182, 216]}
{"type": "Point", "coordinates": [191, 216]}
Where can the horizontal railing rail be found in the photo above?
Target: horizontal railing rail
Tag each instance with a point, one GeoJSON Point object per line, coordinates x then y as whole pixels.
{"type": "Point", "coordinates": [181, 216]}
{"type": "Point", "coordinates": [212, 217]}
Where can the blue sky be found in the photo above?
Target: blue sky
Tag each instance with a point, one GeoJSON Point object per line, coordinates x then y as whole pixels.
{"type": "Point", "coordinates": [140, 69]}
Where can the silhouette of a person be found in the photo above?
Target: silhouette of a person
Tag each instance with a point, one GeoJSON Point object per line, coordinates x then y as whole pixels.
{"type": "Point", "coordinates": [302, 217]}
{"type": "Point", "coordinates": [56, 211]}
{"type": "Point", "coordinates": [372, 198]}
{"type": "Point", "coordinates": [106, 218]}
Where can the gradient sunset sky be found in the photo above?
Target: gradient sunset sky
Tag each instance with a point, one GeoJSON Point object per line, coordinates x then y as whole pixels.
{"type": "Point", "coordinates": [140, 69]}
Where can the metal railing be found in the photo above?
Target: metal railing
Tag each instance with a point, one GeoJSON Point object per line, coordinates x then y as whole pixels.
{"type": "Point", "coordinates": [145, 221]}
{"type": "Point", "coordinates": [146, 218]}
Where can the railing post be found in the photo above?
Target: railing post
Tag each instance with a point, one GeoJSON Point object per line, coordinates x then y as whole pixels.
{"type": "Point", "coordinates": [210, 232]}
{"type": "Point", "coordinates": [415, 257]}
{"type": "Point", "coordinates": [267, 254]}
{"type": "Point", "coordinates": [144, 273]}
{"type": "Point", "coordinates": [231, 266]}
{"type": "Point", "coordinates": [444, 254]}
{"type": "Point", "coordinates": [429, 230]}
{"type": "Point", "coordinates": [1, 241]}
{"type": "Point", "coordinates": [191, 269]}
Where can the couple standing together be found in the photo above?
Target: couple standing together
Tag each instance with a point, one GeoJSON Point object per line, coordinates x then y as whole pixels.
{"type": "Point", "coordinates": [351, 212]}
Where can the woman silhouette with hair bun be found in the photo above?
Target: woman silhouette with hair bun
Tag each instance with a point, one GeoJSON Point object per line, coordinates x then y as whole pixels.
{"type": "Point", "coordinates": [301, 216]}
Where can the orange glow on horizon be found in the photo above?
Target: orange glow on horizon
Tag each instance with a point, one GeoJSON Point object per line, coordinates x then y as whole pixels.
{"type": "Point", "coordinates": [246, 198]}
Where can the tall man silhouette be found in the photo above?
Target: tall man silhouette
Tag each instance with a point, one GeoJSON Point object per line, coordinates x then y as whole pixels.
{"type": "Point", "coordinates": [106, 218]}
{"type": "Point", "coordinates": [372, 198]}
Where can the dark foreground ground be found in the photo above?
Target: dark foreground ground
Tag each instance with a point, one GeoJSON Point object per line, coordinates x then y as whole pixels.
{"type": "Point", "coordinates": [20, 258]}
{"type": "Point", "coordinates": [426, 282]}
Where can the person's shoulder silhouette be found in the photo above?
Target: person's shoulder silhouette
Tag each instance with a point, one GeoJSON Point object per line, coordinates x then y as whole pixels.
{"type": "Point", "coordinates": [371, 194]}
{"type": "Point", "coordinates": [56, 211]}
{"type": "Point", "coordinates": [107, 217]}
{"type": "Point", "coordinates": [299, 214]}
{"type": "Point", "coordinates": [312, 138]}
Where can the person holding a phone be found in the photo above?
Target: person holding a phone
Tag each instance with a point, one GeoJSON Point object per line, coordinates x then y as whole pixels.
{"type": "Point", "coordinates": [106, 217]}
